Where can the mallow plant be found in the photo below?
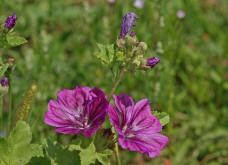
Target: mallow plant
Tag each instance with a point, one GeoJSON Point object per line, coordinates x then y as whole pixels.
{"type": "Point", "coordinates": [101, 122]}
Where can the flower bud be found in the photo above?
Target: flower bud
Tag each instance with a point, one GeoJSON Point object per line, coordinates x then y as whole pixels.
{"type": "Point", "coordinates": [127, 23]}
{"type": "Point", "coordinates": [151, 62]}
{"type": "Point", "coordinates": [11, 62]}
{"type": "Point", "coordinates": [10, 21]}
{"type": "Point", "coordinates": [142, 46]}
{"type": "Point", "coordinates": [132, 34]}
{"type": "Point", "coordinates": [4, 81]}
{"type": "Point", "coordinates": [120, 43]}
{"type": "Point", "coordinates": [130, 41]}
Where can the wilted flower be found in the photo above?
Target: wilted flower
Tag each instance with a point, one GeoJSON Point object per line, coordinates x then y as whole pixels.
{"type": "Point", "coordinates": [137, 127]}
{"type": "Point", "coordinates": [4, 81]}
{"type": "Point", "coordinates": [152, 61]}
{"type": "Point", "coordinates": [180, 14]}
{"type": "Point", "coordinates": [138, 4]}
{"type": "Point", "coordinates": [81, 110]}
{"type": "Point", "coordinates": [111, 1]}
{"type": "Point", "coordinates": [127, 23]}
{"type": "Point", "coordinates": [11, 21]}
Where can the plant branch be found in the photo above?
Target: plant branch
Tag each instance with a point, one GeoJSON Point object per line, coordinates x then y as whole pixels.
{"type": "Point", "coordinates": [116, 83]}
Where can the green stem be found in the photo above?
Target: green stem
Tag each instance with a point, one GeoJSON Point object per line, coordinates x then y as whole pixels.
{"type": "Point", "coordinates": [117, 154]}
{"type": "Point", "coordinates": [1, 111]}
{"type": "Point", "coordinates": [115, 85]}
{"type": "Point", "coordinates": [10, 101]}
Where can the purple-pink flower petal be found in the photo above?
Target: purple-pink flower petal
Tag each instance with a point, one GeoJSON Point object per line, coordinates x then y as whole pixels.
{"type": "Point", "coordinates": [127, 23]}
{"type": "Point", "coordinates": [125, 105]}
{"type": "Point", "coordinates": [137, 127]}
{"type": "Point", "coordinates": [149, 145]}
{"type": "Point", "coordinates": [81, 110]}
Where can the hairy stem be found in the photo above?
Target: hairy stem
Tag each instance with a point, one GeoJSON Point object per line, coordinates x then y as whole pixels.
{"type": "Point", "coordinates": [1, 111]}
{"type": "Point", "coordinates": [117, 154]}
{"type": "Point", "coordinates": [116, 83]}
{"type": "Point", "coordinates": [10, 101]}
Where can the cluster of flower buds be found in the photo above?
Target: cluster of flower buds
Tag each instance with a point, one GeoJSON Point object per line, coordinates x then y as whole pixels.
{"type": "Point", "coordinates": [130, 50]}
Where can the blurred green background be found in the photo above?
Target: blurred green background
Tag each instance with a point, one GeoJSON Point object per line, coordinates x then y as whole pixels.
{"type": "Point", "coordinates": [190, 83]}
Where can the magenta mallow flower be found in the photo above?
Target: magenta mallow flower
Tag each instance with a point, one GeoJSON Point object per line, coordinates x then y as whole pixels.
{"type": "Point", "coordinates": [152, 61]}
{"type": "Point", "coordinates": [81, 110]}
{"type": "Point", "coordinates": [11, 21]}
{"type": "Point", "coordinates": [180, 14]}
{"type": "Point", "coordinates": [137, 127]}
{"type": "Point", "coordinates": [138, 4]}
{"type": "Point", "coordinates": [4, 81]}
{"type": "Point", "coordinates": [127, 23]}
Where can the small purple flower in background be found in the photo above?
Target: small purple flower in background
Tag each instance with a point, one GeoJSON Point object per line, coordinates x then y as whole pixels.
{"type": "Point", "coordinates": [137, 127]}
{"type": "Point", "coordinates": [127, 23]}
{"type": "Point", "coordinates": [81, 110]}
{"type": "Point", "coordinates": [11, 21]}
{"type": "Point", "coordinates": [180, 14]}
{"type": "Point", "coordinates": [152, 61]}
{"type": "Point", "coordinates": [4, 81]}
{"type": "Point", "coordinates": [139, 4]}
{"type": "Point", "coordinates": [111, 1]}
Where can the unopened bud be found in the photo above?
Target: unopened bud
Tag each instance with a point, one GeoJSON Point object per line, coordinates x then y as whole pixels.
{"type": "Point", "coordinates": [151, 62]}
{"type": "Point", "coordinates": [10, 21]}
{"type": "Point", "coordinates": [130, 41]}
{"type": "Point", "coordinates": [120, 43]}
{"type": "Point", "coordinates": [11, 62]}
{"type": "Point", "coordinates": [4, 81]}
{"type": "Point", "coordinates": [142, 46]}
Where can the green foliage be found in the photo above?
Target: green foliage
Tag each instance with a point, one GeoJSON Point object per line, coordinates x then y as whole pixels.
{"type": "Point", "coordinates": [105, 54]}
{"type": "Point", "coordinates": [14, 40]}
{"type": "Point", "coordinates": [57, 154]}
{"type": "Point", "coordinates": [162, 116]}
{"type": "Point", "coordinates": [89, 153]}
{"type": "Point", "coordinates": [3, 68]}
{"type": "Point", "coordinates": [10, 39]}
{"type": "Point", "coordinates": [16, 149]}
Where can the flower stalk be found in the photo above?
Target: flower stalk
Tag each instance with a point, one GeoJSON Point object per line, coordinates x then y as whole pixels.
{"type": "Point", "coordinates": [10, 100]}
{"type": "Point", "coordinates": [116, 83]}
{"type": "Point", "coordinates": [1, 111]}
